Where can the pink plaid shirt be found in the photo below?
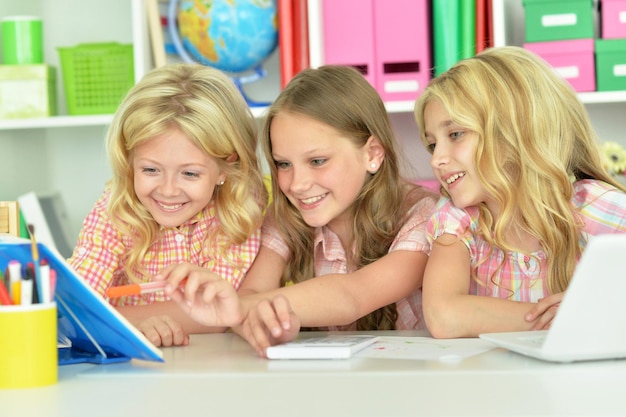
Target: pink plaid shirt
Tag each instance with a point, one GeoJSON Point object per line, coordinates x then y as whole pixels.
{"type": "Point", "coordinates": [330, 258]}
{"type": "Point", "coordinates": [100, 247]}
{"type": "Point", "coordinates": [521, 277]}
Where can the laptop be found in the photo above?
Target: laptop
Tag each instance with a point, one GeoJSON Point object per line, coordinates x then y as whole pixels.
{"type": "Point", "coordinates": [591, 321]}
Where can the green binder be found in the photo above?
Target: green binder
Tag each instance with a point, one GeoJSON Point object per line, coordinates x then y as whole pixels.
{"type": "Point", "coordinates": [454, 32]}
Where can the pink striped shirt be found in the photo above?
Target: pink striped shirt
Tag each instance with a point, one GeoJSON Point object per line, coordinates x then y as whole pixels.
{"type": "Point", "coordinates": [330, 257]}
{"type": "Point", "coordinates": [100, 248]}
{"type": "Point", "coordinates": [522, 277]}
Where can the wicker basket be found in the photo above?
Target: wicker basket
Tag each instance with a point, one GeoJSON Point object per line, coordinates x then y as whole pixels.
{"type": "Point", "coordinates": [96, 76]}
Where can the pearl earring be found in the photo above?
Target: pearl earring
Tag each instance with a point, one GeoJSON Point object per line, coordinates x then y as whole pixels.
{"type": "Point", "coordinates": [373, 165]}
{"type": "Point", "coordinates": [221, 182]}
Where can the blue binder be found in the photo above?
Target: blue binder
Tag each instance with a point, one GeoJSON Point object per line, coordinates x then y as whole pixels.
{"type": "Point", "coordinates": [96, 331]}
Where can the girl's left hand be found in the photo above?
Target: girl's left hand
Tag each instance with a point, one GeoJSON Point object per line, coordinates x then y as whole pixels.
{"type": "Point", "coordinates": [204, 296]}
{"type": "Point", "coordinates": [163, 331]}
{"type": "Point", "coordinates": [544, 311]}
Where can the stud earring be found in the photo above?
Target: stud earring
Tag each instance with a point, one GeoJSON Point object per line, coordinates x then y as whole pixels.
{"type": "Point", "coordinates": [221, 182]}
{"type": "Point", "coordinates": [373, 165]}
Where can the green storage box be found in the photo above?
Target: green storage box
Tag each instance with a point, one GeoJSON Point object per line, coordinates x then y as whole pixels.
{"type": "Point", "coordinates": [610, 64]}
{"type": "Point", "coordinates": [96, 76]}
{"type": "Point", "coordinates": [27, 91]}
{"type": "Point", "coordinates": [554, 20]}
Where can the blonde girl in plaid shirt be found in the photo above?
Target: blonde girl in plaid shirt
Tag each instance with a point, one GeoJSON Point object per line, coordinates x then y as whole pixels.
{"type": "Point", "coordinates": [524, 187]}
{"type": "Point", "coordinates": [186, 190]}
{"type": "Point", "coordinates": [345, 228]}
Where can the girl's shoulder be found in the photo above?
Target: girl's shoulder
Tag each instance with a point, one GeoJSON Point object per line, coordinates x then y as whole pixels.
{"type": "Point", "coordinates": [596, 192]}
{"type": "Point", "coordinates": [446, 208]}
{"type": "Point", "coordinates": [421, 201]}
{"type": "Point", "coordinates": [447, 218]}
{"type": "Point", "coordinates": [602, 206]}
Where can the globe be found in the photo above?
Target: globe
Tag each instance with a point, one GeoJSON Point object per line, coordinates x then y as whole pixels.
{"type": "Point", "coordinates": [234, 36]}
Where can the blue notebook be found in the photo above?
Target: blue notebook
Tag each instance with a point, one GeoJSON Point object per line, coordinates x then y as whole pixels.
{"type": "Point", "coordinates": [90, 329]}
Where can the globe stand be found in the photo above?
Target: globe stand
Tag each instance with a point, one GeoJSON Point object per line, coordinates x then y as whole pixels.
{"type": "Point", "coordinates": [239, 81]}
{"type": "Point", "coordinates": [182, 48]}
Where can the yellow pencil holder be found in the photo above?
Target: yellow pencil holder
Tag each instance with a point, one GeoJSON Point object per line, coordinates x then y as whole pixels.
{"type": "Point", "coordinates": [28, 346]}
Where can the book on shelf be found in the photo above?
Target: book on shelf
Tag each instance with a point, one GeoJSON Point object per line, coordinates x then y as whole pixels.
{"type": "Point", "coordinates": [293, 40]}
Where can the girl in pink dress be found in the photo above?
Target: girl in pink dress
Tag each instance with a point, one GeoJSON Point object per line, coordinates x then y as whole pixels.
{"type": "Point", "coordinates": [344, 243]}
{"type": "Point", "coordinates": [524, 188]}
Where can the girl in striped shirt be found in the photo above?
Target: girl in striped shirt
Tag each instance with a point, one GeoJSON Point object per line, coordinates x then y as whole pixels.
{"type": "Point", "coordinates": [524, 187]}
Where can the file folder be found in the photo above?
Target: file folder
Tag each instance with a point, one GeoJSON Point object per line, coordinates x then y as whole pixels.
{"type": "Point", "coordinates": [402, 48]}
{"type": "Point", "coordinates": [349, 35]}
{"type": "Point", "coordinates": [446, 21]}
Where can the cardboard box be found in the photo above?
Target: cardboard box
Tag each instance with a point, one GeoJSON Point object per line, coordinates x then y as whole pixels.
{"type": "Point", "coordinates": [611, 64]}
{"type": "Point", "coordinates": [27, 91]}
{"type": "Point", "coordinates": [572, 59]}
{"type": "Point", "coordinates": [551, 20]}
{"type": "Point", "coordinates": [613, 19]}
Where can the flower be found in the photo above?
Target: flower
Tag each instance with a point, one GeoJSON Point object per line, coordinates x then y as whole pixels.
{"type": "Point", "coordinates": [615, 157]}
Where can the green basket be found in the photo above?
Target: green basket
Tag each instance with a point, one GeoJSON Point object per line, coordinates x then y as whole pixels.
{"type": "Point", "coordinates": [96, 76]}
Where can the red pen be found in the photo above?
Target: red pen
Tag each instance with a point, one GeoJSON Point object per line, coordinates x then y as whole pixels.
{"type": "Point", "coordinates": [5, 298]}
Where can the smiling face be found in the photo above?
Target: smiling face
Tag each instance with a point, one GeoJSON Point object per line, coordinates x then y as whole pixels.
{"type": "Point", "coordinates": [173, 178]}
{"type": "Point", "coordinates": [452, 147]}
{"type": "Point", "coordinates": [320, 171]}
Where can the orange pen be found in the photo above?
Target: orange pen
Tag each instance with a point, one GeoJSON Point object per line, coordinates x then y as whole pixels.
{"type": "Point", "coordinates": [136, 289]}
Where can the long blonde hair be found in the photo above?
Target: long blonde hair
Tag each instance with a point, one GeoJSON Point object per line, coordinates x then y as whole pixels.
{"type": "Point", "coordinates": [207, 107]}
{"type": "Point", "coordinates": [340, 97]}
{"type": "Point", "coordinates": [534, 139]}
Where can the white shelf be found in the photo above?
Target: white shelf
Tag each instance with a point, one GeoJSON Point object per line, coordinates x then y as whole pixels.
{"type": "Point", "coordinates": [77, 121]}
{"type": "Point", "coordinates": [603, 97]}
{"type": "Point", "coordinates": [56, 121]}
{"type": "Point", "coordinates": [400, 106]}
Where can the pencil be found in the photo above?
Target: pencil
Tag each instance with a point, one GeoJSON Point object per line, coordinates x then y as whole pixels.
{"type": "Point", "coordinates": [35, 251]}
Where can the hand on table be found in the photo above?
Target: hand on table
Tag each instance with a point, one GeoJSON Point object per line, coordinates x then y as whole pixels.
{"type": "Point", "coordinates": [163, 331]}
{"type": "Point", "coordinates": [270, 322]}
{"type": "Point", "coordinates": [544, 311]}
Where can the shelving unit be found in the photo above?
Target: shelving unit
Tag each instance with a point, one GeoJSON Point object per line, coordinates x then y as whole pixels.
{"type": "Point", "coordinates": [66, 153]}
{"type": "Point", "coordinates": [509, 30]}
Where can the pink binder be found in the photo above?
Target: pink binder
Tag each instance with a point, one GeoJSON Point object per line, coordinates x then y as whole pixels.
{"type": "Point", "coordinates": [402, 48]}
{"type": "Point", "coordinates": [349, 35]}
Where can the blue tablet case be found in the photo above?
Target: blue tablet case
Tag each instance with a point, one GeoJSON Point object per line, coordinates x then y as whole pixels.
{"type": "Point", "coordinates": [95, 329]}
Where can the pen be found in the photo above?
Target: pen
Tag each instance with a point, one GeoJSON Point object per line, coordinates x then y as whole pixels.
{"type": "Point", "coordinates": [31, 276]}
{"type": "Point", "coordinates": [136, 289]}
{"type": "Point", "coordinates": [44, 282]}
{"type": "Point", "coordinates": [26, 297]}
{"type": "Point", "coordinates": [53, 283]}
{"type": "Point", "coordinates": [5, 297]}
{"type": "Point", "coordinates": [15, 278]}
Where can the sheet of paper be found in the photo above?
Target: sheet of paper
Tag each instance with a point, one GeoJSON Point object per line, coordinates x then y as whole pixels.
{"type": "Point", "coordinates": [425, 348]}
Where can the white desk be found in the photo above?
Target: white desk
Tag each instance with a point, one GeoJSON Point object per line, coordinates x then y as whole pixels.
{"type": "Point", "coordinates": [220, 375]}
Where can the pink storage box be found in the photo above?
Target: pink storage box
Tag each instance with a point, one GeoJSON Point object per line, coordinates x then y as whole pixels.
{"type": "Point", "coordinates": [613, 19]}
{"type": "Point", "coordinates": [572, 59]}
{"type": "Point", "coordinates": [348, 30]}
{"type": "Point", "coordinates": [402, 48]}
